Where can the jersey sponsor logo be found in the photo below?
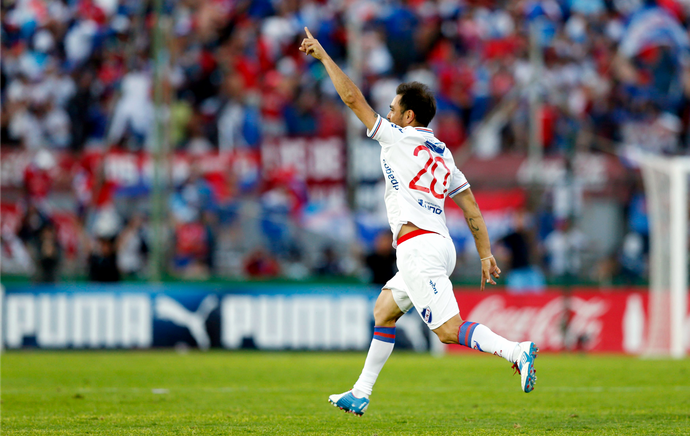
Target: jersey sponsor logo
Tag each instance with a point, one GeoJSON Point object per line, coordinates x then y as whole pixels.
{"type": "Point", "coordinates": [426, 315]}
{"type": "Point", "coordinates": [435, 146]}
{"type": "Point", "coordinates": [390, 175]}
{"type": "Point", "coordinates": [430, 206]}
{"type": "Point", "coordinates": [433, 286]}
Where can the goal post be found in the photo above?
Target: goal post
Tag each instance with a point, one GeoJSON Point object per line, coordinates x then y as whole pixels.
{"type": "Point", "coordinates": [666, 182]}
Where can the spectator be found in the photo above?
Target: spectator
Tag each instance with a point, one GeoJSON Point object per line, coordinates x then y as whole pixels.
{"type": "Point", "coordinates": [634, 252]}
{"type": "Point", "coordinates": [261, 265]}
{"type": "Point", "coordinates": [564, 247]}
{"type": "Point", "coordinates": [41, 123]}
{"type": "Point", "coordinates": [132, 247]}
{"type": "Point", "coordinates": [48, 254]}
{"type": "Point", "coordinates": [294, 267]}
{"type": "Point", "coordinates": [381, 262]}
{"type": "Point", "coordinates": [632, 257]}
{"type": "Point", "coordinates": [275, 219]}
{"type": "Point", "coordinates": [134, 111]}
{"type": "Point", "coordinates": [39, 177]}
{"type": "Point", "coordinates": [103, 261]}
{"type": "Point", "coordinates": [198, 143]}
{"type": "Point", "coordinates": [209, 220]}
{"type": "Point", "coordinates": [523, 275]}
{"type": "Point", "coordinates": [192, 197]}
{"type": "Point", "coordinates": [32, 224]}
{"type": "Point", "coordinates": [14, 257]}
{"type": "Point", "coordinates": [300, 116]}
{"type": "Point", "coordinates": [328, 264]}
{"type": "Point", "coordinates": [281, 206]}
{"type": "Point", "coordinates": [193, 249]}
{"type": "Point", "coordinates": [79, 107]}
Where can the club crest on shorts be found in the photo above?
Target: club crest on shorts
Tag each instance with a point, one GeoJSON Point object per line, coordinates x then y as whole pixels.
{"type": "Point", "coordinates": [426, 315]}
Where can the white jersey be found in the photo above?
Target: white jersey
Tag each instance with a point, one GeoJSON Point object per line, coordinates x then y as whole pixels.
{"type": "Point", "coordinates": [420, 173]}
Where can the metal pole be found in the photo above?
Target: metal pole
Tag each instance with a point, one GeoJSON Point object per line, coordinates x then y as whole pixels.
{"type": "Point", "coordinates": [354, 127]}
{"type": "Point", "coordinates": [157, 260]}
{"type": "Point", "coordinates": [536, 142]}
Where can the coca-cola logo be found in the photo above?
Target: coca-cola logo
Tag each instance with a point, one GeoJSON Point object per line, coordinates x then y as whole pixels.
{"type": "Point", "coordinates": [544, 325]}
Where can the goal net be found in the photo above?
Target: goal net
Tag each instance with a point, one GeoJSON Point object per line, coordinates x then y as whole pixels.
{"type": "Point", "coordinates": [666, 182]}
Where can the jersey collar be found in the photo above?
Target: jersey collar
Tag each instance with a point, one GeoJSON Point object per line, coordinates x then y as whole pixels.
{"type": "Point", "coordinates": [424, 129]}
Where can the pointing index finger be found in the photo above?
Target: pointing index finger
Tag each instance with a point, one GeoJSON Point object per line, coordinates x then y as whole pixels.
{"type": "Point", "coordinates": [308, 33]}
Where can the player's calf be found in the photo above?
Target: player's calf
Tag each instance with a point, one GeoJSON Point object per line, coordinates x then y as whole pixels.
{"type": "Point", "coordinates": [480, 337]}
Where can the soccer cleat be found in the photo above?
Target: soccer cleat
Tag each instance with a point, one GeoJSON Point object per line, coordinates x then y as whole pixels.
{"type": "Point", "coordinates": [525, 366]}
{"type": "Point", "coordinates": [349, 403]}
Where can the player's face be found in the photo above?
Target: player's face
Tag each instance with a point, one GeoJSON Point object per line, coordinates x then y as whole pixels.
{"type": "Point", "coordinates": [395, 115]}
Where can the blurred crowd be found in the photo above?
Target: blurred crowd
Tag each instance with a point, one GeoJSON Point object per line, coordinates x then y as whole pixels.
{"type": "Point", "coordinates": [79, 80]}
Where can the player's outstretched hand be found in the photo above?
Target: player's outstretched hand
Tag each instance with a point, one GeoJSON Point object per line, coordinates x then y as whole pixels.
{"type": "Point", "coordinates": [489, 270]}
{"type": "Point", "coordinates": [311, 46]}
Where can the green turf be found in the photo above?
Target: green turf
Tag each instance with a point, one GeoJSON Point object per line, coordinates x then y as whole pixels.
{"type": "Point", "coordinates": [229, 393]}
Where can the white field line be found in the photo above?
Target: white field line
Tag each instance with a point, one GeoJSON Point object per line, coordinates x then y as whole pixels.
{"type": "Point", "coordinates": [151, 390]}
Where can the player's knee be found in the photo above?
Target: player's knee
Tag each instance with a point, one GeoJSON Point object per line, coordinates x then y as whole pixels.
{"type": "Point", "coordinates": [383, 317]}
{"type": "Point", "coordinates": [386, 310]}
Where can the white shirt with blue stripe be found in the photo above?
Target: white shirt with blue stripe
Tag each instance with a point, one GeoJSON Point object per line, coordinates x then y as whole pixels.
{"type": "Point", "coordinates": [420, 173]}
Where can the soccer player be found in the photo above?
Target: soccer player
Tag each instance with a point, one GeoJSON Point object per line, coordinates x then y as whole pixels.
{"type": "Point", "coordinates": [420, 173]}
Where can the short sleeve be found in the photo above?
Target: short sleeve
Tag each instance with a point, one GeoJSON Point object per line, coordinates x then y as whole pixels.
{"type": "Point", "coordinates": [458, 183]}
{"type": "Point", "coordinates": [385, 132]}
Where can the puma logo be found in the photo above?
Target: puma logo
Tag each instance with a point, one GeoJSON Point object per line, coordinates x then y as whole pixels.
{"type": "Point", "coordinates": [170, 310]}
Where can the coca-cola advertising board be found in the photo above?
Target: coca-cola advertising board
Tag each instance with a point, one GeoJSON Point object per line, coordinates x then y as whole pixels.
{"type": "Point", "coordinates": [581, 320]}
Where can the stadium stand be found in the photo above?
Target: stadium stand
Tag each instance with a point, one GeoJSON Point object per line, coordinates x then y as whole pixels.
{"type": "Point", "coordinates": [262, 180]}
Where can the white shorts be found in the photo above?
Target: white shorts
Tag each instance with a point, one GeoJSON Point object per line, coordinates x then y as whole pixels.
{"type": "Point", "coordinates": [424, 264]}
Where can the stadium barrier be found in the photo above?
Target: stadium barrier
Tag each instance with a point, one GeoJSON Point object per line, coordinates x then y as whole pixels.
{"type": "Point", "coordinates": [305, 317]}
{"type": "Point", "coordinates": [581, 319]}
{"type": "Point", "coordinates": [143, 316]}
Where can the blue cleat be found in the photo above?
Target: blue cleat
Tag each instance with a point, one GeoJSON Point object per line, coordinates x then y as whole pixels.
{"type": "Point", "coordinates": [349, 403]}
{"type": "Point", "coordinates": [525, 366]}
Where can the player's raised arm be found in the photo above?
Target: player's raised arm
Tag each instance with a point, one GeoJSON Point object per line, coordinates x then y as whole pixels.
{"type": "Point", "coordinates": [348, 91]}
{"type": "Point", "coordinates": [465, 200]}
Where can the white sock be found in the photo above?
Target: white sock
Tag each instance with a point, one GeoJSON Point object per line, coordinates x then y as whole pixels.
{"type": "Point", "coordinates": [480, 337]}
{"type": "Point", "coordinates": [516, 353]}
{"type": "Point", "coordinates": [380, 349]}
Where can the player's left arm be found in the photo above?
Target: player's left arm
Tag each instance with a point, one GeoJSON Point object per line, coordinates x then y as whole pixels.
{"type": "Point", "coordinates": [466, 201]}
{"type": "Point", "coordinates": [347, 90]}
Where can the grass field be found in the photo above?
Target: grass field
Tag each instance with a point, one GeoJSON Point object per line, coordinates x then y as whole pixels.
{"type": "Point", "coordinates": [229, 393]}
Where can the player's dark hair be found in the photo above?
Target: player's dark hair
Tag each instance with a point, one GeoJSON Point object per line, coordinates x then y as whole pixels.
{"type": "Point", "coordinates": [418, 98]}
